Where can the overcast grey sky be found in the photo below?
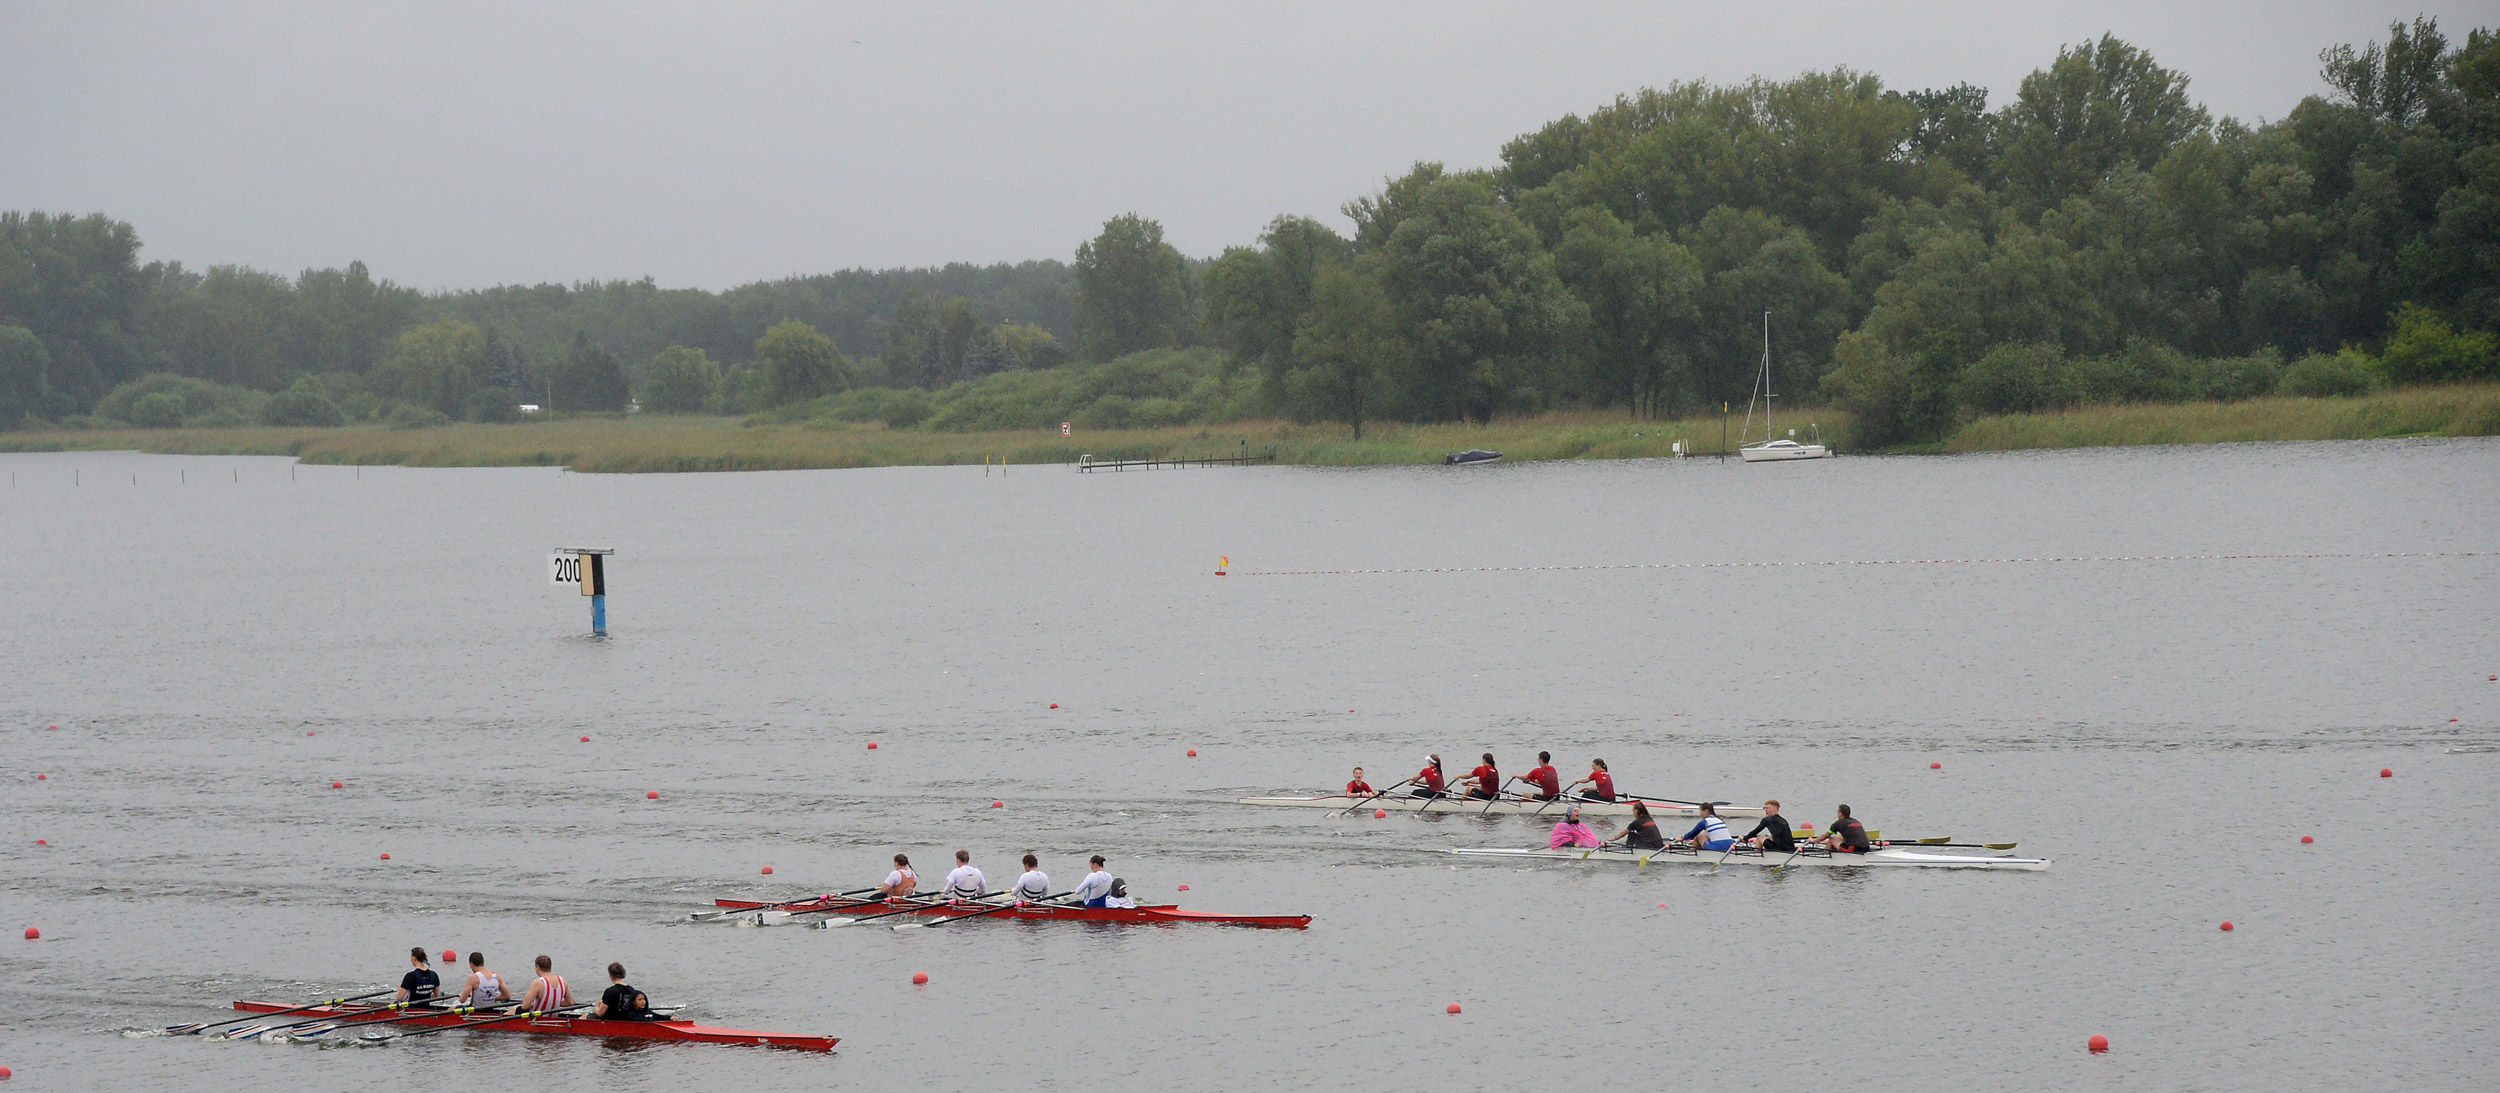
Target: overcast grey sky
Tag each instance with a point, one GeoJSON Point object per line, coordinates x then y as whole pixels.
{"type": "Point", "coordinates": [458, 145]}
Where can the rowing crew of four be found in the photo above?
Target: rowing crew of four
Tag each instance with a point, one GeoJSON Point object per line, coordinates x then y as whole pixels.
{"type": "Point", "coordinates": [1098, 889]}
{"type": "Point", "coordinates": [1485, 783]}
{"type": "Point", "coordinates": [1709, 832]}
{"type": "Point", "coordinates": [486, 990]}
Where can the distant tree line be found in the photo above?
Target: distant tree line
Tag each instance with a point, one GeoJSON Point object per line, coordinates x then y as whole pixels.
{"type": "Point", "coordinates": [1924, 256]}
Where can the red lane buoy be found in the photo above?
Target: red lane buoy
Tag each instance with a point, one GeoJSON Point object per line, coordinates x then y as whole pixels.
{"type": "Point", "coordinates": [1935, 766]}
{"type": "Point", "coordinates": [338, 785]}
{"type": "Point", "coordinates": [2226, 926]}
{"type": "Point", "coordinates": [2494, 679]}
{"type": "Point", "coordinates": [4, 1074]}
{"type": "Point", "coordinates": [450, 955]}
{"type": "Point", "coordinates": [651, 795]}
{"type": "Point", "coordinates": [2386, 772]}
{"type": "Point", "coordinates": [1054, 705]}
{"type": "Point", "coordinates": [919, 979]}
{"type": "Point", "coordinates": [1453, 1007]}
{"type": "Point", "coordinates": [1184, 888]}
{"type": "Point", "coordinates": [33, 933]}
{"type": "Point", "coordinates": [768, 870]}
{"type": "Point", "coordinates": [57, 728]}
{"type": "Point", "coordinates": [2097, 1044]}
{"type": "Point", "coordinates": [585, 740]}
{"type": "Point", "coordinates": [1380, 814]}
{"type": "Point", "coordinates": [386, 855]}
{"type": "Point", "coordinates": [872, 745]}
{"type": "Point", "coordinates": [1662, 907]}
{"type": "Point", "coordinates": [1193, 753]}
{"type": "Point", "coordinates": [998, 804]}
{"type": "Point", "coordinates": [1349, 709]}
{"type": "Point", "coordinates": [308, 732]}
{"type": "Point", "coordinates": [40, 842]}
{"type": "Point", "coordinates": [2307, 839]}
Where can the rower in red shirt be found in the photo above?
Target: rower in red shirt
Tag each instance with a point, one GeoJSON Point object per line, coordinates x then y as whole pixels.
{"type": "Point", "coordinates": [1545, 783]}
{"type": "Point", "coordinates": [1358, 787]}
{"type": "Point", "coordinates": [1601, 784]}
{"type": "Point", "coordinates": [1428, 781]}
{"type": "Point", "coordinates": [1484, 781]}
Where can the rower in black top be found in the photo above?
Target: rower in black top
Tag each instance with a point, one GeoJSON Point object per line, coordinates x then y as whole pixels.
{"type": "Point", "coordinates": [1642, 832]}
{"type": "Point", "coordinates": [1773, 832]}
{"type": "Point", "coordinates": [621, 1002]}
{"type": "Point", "coordinates": [420, 984]}
{"type": "Point", "coordinates": [1848, 836]}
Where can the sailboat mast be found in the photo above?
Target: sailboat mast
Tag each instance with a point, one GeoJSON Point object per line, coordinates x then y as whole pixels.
{"type": "Point", "coordinates": [1768, 433]}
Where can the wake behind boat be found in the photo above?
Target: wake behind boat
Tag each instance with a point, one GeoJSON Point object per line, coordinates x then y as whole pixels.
{"type": "Point", "coordinates": [1659, 807]}
{"type": "Point", "coordinates": [1893, 856]}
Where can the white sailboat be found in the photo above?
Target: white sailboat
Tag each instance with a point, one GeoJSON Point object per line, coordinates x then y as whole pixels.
{"type": "Point", "coordinates": [1769, 450]}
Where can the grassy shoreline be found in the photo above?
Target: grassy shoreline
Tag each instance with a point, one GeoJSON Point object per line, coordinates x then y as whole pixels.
{"type": "Point", "coordinates": [654, 444]}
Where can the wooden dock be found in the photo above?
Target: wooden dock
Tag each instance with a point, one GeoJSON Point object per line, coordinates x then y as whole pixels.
{"type": "Point", "coordinates": [1086, 464]}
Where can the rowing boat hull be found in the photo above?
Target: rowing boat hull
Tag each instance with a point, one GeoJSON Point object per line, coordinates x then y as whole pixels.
{"type": "Point", "coordinates": [1659, 810]}
{"type": "Point", "coordinates": [559, 1025]}
{"type": "Point", "coordinates": [1149, 915]}
{"type": "Point", "coordinates": [1897, 857]}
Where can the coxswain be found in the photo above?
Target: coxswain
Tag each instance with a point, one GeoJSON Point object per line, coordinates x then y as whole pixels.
{"type": "Point", "coordinates": [1642, 832]}
{"type": "Point", "coordinates": [1572, 832]}
{"type": "Point", "coordinates": [1710, 833]}
{"type": "Point", "coordinates": [483, 988]}
{"type": "Point", "coordinates": [1358, 787]}
{"type": "Point", "coordinates": [1544, 784]}
{"type": "Point", "coordinates": [1847, 836]}
{"type": "Point", "coordinates": [420, 984]}
{"type": "Point", "coordinates": [1601, 784]}
{"type": "Point", "coordinates": [1428, 781]}
{"type": "Point", "coordinates": [1034, 884]}
{"type": "Point", "coordinates": [1484, 781]}
{"type": "Point", "coordinates": [1095, 889]}
{"type": "Point", "coordinates": [547, 992]}
{"type": "Point", "coordinates": [900, 883]}
{"type": "Point", "coordinates": [966, 882]}
{"type": "Point", "coordinates": [621, 1002]}
{"type": "Point", "coordinates": [1772, 833]}
{"type": "Point", "coordinates": [1119, 896]}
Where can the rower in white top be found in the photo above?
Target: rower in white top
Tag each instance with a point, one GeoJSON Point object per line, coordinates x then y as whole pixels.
{"type": "Point", "coordinates": [966, 882]}
{"type": "Point", "coordinates": [1095, 889]}
{"type": "Point", "coordinates": [1119, 896]}
{"type": "Point", "coordinates": [1034, 884]}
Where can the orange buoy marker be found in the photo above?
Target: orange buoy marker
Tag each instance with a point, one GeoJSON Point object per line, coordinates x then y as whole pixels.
{"type": "Point", "coordinates": [386, 855]}
{"type": "Point", "coordinates": [872, 745]}
{"type": "Point", "coordinates": [1453, 1008]}
{"type": "Point", "coordinates": [919, 979]}
{"type": "Point", "coordinates": [768, 870]}
{"type": "Point", "coordinates": [998, 804]}
{"type": "Point", "coordinates": [2098, 1044]}
{"type": "Point", "coordinates": [450, 955]}
{"type": "Point", "coordinates": [338, 785]}
{"type": "Point", "coordinates": [1184, 888]}
{"type": "Point", "coordinates": [651, 795]}
{"type": "Point", "coordinates": [2307, 839]}
{"type": "Point", "coordinates": [33, 933]}
{"type": "Point", "coordinates": [1935, 766]}
{"type": "Point", "coordinates": [1380, 814]}
{"type": "Point", "coordinates": [1193, 753]}
{"type": "Point", "coordinates": [2386, 772]}
{"type": "Point", "coordinates": [2226, 926]}
{"type": "Point", "coordinates": [1222, 563]}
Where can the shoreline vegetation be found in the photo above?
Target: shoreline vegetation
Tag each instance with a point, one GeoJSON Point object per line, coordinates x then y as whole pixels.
{"type": "Point", "coordinates": [682, 443]}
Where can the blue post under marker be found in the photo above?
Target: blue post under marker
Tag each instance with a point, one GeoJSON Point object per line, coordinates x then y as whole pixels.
{"type": "Point", "coordinates": [599, 615]}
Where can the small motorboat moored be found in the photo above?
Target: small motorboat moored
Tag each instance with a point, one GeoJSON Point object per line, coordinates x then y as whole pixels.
{"type": "Point", "coordinates": [1471, 455]}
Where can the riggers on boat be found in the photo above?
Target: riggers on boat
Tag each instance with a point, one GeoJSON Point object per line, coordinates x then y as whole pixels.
{"type": "Point", "coordinates": [1660, 809]}
{"type": "Point", "coordinates": [1161, 914]}
{"type": "Point", "coordinates": [1891, 856]}
{"type": "Point", "coordinates": [558, 1025]}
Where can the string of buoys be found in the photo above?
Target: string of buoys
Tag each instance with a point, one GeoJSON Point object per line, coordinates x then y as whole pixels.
{"type": "Point", "coordinates": [1861, 562]}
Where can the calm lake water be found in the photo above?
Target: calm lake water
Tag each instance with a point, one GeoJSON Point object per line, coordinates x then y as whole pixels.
{"type": "Point", "coordinates": [220, 639]}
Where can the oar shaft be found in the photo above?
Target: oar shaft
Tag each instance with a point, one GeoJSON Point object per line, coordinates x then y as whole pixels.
{"type": "Point", "coordinates": [519, 1016]}
{"type": "Point", "coordinates": [189, 1029]}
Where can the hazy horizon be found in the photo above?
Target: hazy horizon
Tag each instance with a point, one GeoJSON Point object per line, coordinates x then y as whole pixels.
{"type": "Point", "coordinates": [461, 147]}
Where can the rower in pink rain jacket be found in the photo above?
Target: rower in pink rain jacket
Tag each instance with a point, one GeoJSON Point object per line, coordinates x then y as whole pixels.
{"type": "Point", "coordinates": [1572, 832]}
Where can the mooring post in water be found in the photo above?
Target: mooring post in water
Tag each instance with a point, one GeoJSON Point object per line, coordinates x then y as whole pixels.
{"type": "Point", "coordinates": [586, 568]}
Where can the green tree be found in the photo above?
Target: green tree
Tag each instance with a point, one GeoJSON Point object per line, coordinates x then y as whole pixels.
{"type": "Point", "coordinates": [1345, 351]}
{"type": "Point", "coordinates": [679, 381]}
{"type": "Point", "coordinates": [586, 377]}
{"type": "Point", "coordinates": [1640, 295]}
{"type": "Point", "coordinates": [2424, 349]}
{"type": "Point", "coordinates": [74, 282]}
{"type": "Point", "coordinates": [303, 403]}
{"type": "Point", "coordinates": [1258, 298]}
{"type": "Point", "coordinates": [932, 339]}
{"type": "Point", "coordinates": [433, 366]}
{"type": "Point", "coordinates": [25, 376]}
{"type": "Point", "coordinates": [2015, 378]}
{"type": "Point", "coordinates": [799, 364]}
{"type": "Point", "coordinates": [1478, 301]}
{"type": "Point", "coordinates": [1132, 290]}
{"type": "Point", "coordinates": [2101, 106]}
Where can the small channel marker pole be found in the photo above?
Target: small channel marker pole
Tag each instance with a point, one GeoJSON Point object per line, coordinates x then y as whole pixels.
{"type": "Point", "coordinates": [586, 567]}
